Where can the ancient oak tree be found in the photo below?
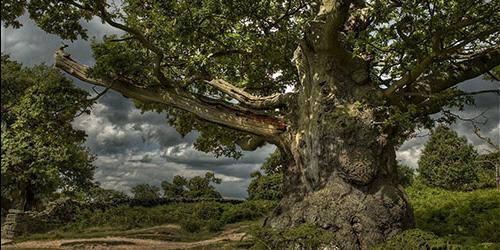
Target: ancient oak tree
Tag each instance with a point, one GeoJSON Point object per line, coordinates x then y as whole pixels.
{"type": "Point", "coordinates": [364, 75]}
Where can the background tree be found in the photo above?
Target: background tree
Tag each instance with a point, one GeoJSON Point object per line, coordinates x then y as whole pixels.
{"type": "Point", "coordinates": [365, 74]}
{"type": "Point", "coordinates": [176, 189]}
{"type": "Point", "coordinates": [196, 187]}
{"type": "Point", "coordinates": [146, 192]}
{"type": "Point", "coordinates": [41, 152]}
{"type": "Point", "coordinates": [200, 187]}
{"type": "Point", "coordinates": [447, 161]}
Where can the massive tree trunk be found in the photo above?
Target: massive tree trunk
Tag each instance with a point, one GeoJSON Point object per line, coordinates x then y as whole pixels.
{"type": "Point", "coordinates": [340, 165]}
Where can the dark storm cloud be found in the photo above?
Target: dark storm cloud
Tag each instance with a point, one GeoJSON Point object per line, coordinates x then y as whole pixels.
{"type": "Point", "coordinates": [130, 145]}
{"type": "Point", "coordinates": [487, 105]}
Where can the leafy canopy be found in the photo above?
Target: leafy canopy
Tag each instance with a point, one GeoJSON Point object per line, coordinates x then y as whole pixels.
{"type": "Point", "coordinates": [178, 44]}
{"type": "Point", "coordinates": [41, 152]}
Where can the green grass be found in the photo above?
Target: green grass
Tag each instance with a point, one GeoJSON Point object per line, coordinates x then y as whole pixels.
{"type": "Point", "coordinates": [444, 220]}
{"type": "Point", "coordinates": [198, 221]}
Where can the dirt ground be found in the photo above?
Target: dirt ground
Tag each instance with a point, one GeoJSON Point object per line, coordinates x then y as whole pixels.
{"type": "Point", "coordinates": [228, 235]}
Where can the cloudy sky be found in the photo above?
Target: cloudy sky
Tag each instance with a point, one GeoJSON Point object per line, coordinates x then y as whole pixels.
{"type": "Point", "coordinates": [134, 147]}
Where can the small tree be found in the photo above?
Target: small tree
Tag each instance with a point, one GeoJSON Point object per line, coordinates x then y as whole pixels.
{"type": "Point", "coordinates": [146, 192]}
{"type": "Point", "coordinates": [447, 161]}
{"type": "Point", "coordinates": [41, 152]}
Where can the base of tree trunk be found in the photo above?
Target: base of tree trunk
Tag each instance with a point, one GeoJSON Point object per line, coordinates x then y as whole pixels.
{"type": "Point", "coordinates": [358, 217]}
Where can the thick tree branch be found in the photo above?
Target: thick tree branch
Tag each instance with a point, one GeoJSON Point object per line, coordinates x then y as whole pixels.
{"type": "Point", "coordinates": [203, 107]}
{"type": "Point", "coordinates": [411, 76]}
{"type": "Point", "coordinates": [249, 100]}
{"type": "Point", "coordinates": [325, 29]}
{"type": "Point", "coordinates": [459, 72]}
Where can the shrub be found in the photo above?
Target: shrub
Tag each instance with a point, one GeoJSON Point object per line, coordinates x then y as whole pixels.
{"type": "Point", "coordinates": [305, 236]}
{"type": "Point", "coordinates": [208, 210]}
{"type": "Point", "coordinates": [191, 225]}
{"type": "Point", "coordinates": [414, 239]}
{"type": "Point", "coordinates": [214, 225]}
{"type": "Point", "coordinates": [248, 210]}
{"type": "Point", "coordinates": [463, 216]}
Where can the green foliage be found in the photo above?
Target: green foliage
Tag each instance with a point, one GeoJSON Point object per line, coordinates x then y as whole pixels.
{"type": "Point", "coordinates": [191, 225]}
{"type": "Point", "coordinates": [176, 189]}
{"type": "Point", "coordinates": [196, 187]}
{"type": "Point", "coordinates": [193, 217]}
{"type": "Point", "coordinates": [447, 161]}
{"type": "Point", "coordinates": [460, 216]}
{"type": "Point", "coordinates": [405, 175]}
{"type": "Point", "coordinates": [248, 210]}
{"type": "Point", "coordinates": [146, 192]}
{"type": "Point", "coordinates": [450, 220]}
{"type": "Point", "coordinates": [305, 236]}
{"type": "Point", "coordinates": [274, 163]}
{"type": "Point", "coordinates": [266, 187]}
{"type": "Point", "coordinates": [41, 152]}
{"type": "Point", "coordinates": [415, 239]}
{"type": "Point", "coordinates": [270, 185]}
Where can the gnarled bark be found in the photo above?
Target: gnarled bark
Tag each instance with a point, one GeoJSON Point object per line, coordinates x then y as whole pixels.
{"type": "Point", "coordinates": [341, 165]}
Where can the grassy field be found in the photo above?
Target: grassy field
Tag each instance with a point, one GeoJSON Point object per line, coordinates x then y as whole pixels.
{"type": "Point", "coordinates": [444, 220]}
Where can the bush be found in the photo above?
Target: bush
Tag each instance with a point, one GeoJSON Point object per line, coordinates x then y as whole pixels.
{"type": "Point", "coordinates": [208, 210]}
{"type": "Point", "coordinates": [415, 239]}
{"type": "Point", "coordinates": [457, 214]}
{"type": "Point", "coordinates": [214, 225]}
{"type": "Point", "coordinates": [305, 236]}
{"type": "Point", "coordinates": [191, 225]}
{"type": "Point", "coordinates": [194, 217]}
{"type": "Point", "coordinates": [249, 210]}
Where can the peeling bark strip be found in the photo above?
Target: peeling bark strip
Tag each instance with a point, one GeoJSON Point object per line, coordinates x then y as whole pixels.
{"type": "Point", "coordinates": [247, 99]}
{"type": "Point", "coordinates": [205, 108]}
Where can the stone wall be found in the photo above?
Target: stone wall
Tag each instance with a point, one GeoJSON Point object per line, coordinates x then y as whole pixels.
{"type": "Point", "coordinates": [15, 224]}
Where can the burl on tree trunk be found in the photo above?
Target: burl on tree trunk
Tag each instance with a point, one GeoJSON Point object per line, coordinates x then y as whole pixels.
{"type": "Point", "coordinates": [340, 166]}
